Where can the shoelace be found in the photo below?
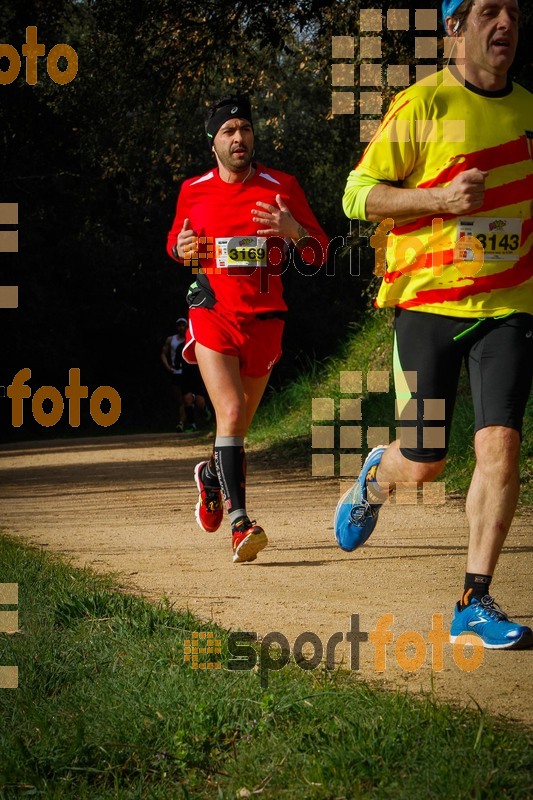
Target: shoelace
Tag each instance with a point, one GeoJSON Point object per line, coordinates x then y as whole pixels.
{"type": "Point", "coordinates": [492, 608]}
{"type": "Point", "coordinates": [212, 499]}
{"type": "Point", "coordinates": [362, 510]}
{"type": "Point", "coordinates": [244, 525]}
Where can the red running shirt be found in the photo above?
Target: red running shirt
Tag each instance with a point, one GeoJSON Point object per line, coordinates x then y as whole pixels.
{"type": "Point", "coordinates": [221, 215]}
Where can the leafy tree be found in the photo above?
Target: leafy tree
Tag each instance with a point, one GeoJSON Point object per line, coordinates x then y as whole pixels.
{"type": "Point", "coordinates": [96, 165]}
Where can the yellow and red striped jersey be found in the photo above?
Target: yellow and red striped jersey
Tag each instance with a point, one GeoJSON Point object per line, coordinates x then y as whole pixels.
{"type": "Point", "coordinates": [432, 131]}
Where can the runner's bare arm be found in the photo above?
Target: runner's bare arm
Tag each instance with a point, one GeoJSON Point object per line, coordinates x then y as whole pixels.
{"type": "Point", "coordinates": [463, 195]}
{"type": "Point", "coordinates": [165, 355]}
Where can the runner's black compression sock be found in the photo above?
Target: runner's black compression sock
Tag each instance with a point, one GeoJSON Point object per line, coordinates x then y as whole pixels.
{"type": "Point", "coordinates": [209, 474]}
{"type": "Point", "coordinates": [230, 460]}
{"type": "Point", "coordinates": [476, 587]}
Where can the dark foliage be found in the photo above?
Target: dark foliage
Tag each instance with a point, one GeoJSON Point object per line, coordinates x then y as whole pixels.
{"type": "Point", "coordinates": [95, 166]}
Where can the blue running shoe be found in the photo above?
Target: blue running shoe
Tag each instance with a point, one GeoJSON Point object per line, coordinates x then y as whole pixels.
{"type": "Point", "coordinates": [355, 518]}
{"type": "Point", "coordinates": [491, 624]}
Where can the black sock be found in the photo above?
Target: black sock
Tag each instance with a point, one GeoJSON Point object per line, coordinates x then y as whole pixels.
{"type": "Point", "coordinates": [189, 415]}
{"type": "Point", "coordinates": [209, 474]}
{"type": "Point", "coordinates": [230, 460]}
{"type": "Point", "coordinates": [476, 587]}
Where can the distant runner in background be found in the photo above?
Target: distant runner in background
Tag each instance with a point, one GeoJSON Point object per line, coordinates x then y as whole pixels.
{"type": "Point", "coordinates": [186, 383]}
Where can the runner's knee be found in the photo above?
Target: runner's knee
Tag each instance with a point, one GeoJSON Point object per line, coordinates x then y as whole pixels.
{"type": "Point", "coordinates": [423, 472]}
{"type": "Point", "coordinates": [497, 448]}
{"type": "Point", "coordinates": [231, 417]}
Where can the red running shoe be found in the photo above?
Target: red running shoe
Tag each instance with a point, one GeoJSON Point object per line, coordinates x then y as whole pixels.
{"type": "Point", "coordinates": [209, 508]}
{"type": "Point", "coordinates": [248, 539]}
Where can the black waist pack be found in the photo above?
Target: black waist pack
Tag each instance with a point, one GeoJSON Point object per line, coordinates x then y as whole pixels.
{"type": "Point", "coordinates": [200, 294]}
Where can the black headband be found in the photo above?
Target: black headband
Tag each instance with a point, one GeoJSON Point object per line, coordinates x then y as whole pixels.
{"type": "Point", "coordinates": [233, 108]}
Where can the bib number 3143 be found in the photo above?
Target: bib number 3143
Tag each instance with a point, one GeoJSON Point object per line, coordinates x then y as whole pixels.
{"type": "Point", "coordinates": [499, 236]}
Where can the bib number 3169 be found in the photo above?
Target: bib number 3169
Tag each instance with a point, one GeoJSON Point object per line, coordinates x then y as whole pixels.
{"type": "Point", "coordinates": [241, 251]}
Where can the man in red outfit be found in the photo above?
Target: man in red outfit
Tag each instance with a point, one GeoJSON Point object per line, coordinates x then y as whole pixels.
{"type": "Point", "coordinates": [237, 223]}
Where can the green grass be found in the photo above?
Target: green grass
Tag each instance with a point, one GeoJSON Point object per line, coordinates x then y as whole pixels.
{"type": "Point", "coordinates": [282, 425]}
{"type": "Point", "coordinates": [107, 708]}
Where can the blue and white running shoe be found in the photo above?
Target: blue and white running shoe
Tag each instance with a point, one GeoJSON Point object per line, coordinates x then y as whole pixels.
{"type": "Point", "coordinates": [492, 625]}
{"type": "Point", "coordinates": [356, 518]}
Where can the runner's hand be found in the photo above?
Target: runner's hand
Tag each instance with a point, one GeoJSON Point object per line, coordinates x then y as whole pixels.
{"type": "Point", "coordinates": [187, 244]}
{"type": "Point", "coordinates": [466, 192]}
{"type": "Point", "coordinates": [277, 220]}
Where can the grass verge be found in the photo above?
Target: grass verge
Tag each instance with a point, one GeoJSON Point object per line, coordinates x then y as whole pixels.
{"type": "Point", "coordinates": [107, 708]}
{"type": "Point", "coordinates": [282, 425]}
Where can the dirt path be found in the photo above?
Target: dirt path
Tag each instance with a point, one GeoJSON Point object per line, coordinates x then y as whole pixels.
{"type": "Point", "coordinates": [126, 504]}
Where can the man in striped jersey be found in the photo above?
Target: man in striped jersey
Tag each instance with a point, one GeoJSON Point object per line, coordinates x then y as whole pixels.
{"type": "Point", "coordinates": [449, 176]}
